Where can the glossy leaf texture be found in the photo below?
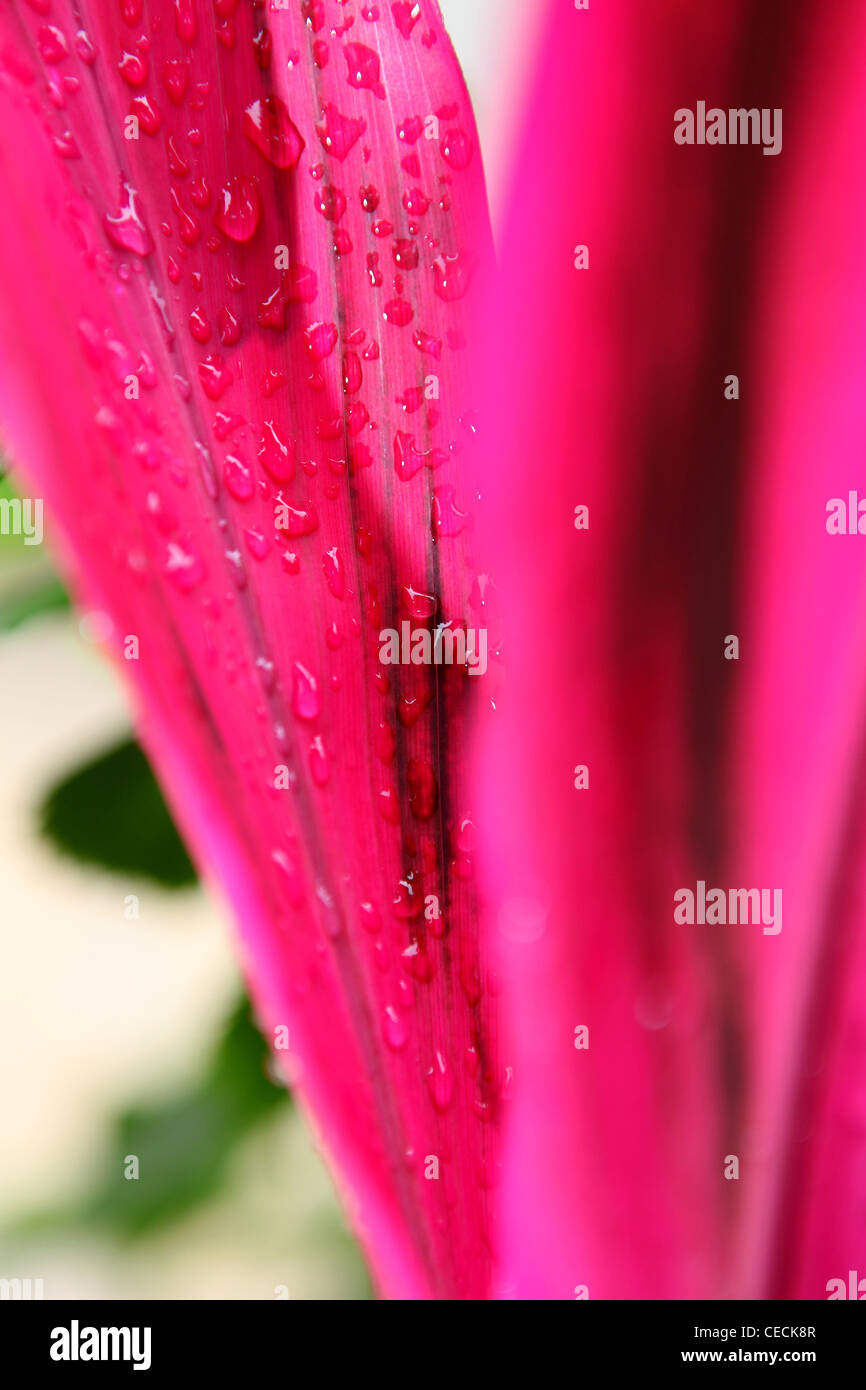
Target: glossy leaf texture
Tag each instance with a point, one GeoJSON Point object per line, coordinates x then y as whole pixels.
{"type": "Point", "coordinates": [632, 757]}
{"type": "Point", "coordinates": [240, 251]}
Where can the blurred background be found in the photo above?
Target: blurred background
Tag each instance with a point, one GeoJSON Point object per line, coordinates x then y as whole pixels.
{"type": "Point", "coordinates": [124, 1027]}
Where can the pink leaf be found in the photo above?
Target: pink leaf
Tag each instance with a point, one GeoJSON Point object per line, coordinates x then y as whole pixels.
{"type": "Point", "coordinates": [705, 518]}
{"type": "Point", "coordinates": [208, 342]}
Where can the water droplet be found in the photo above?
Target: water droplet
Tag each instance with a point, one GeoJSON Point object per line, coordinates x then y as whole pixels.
{"type": "Point", "coordinates": [178, 166]}
{"type": "Point", "coordinates": [229, 328]}
{"type": "Point", "coordinates": [419, 963]}
{"type": "Point", "coordinates": [440, 1083]}
{"type": "Point", "coordinates": [406, 15]}
{"type": "Point", "coordinates": [175, 77]}
{"type": "Point", "coordinates": [257, 544]}
{"type": "Point", "coordinates": [184, 567]}
{"type": "Point", "coordinates": [363, 68]}
{"type": "Point", "coordinates": [452, 276]}
{"type": "Point", "coordinates": [207, 471]}
{"type": "Point", "coordinates": [276, 457]}
{"type": "Point", "coordinates": [263, 46]}
{"type": "Point", "coordinates": [399, 312]}
{"type": "Point", "coordinates": [199, 192]}
{"type": "Point", "coordinates": [410, 130]}
{"type": "Point", "coordinates": [215, 377]}
{"type": "Point", "coordinates": [313, 12]}
{"type": "Point", "coordinates": [321, 339]}
{"type": "Point", "coordinates": [423, 788]}
{"type": "Point", "coordinates": [84, 48]}
{"type": "Point", "coordinates": [408, 458]}
{"type": "Point", "coordinates": [238, 479]}
{"type": "Point", "coordinates": [239, 208]}
{"type": "Point", "coordinates": [335, 574]}
{"type": "Point", "coordinates": [411, 707]}
{"type": "Point", "coordinates": [185, 22]}
{"type": "Point", "coordinates": [289, 871]}
{"type": "Point", "coordinates": [52, 44]}
{"type": "Point", "coordinates": [298, 285]}
{"type": "Point", "coordinates": [134, 69]}
{"type": "Point", "coordinates": [330, 202]}
{"type": "Point", "coordinates": [457, 149]}
{"type": "Point", "coordinates": [426, 343]}
{"type": "Point", "coordinates": [125, 227]}
{"type": "Point", "coordinates": [306, 696]}
{"type": "Point", "coordinates": [339, 133]}
{"type": "Point", "coordinates": [320, 768]}
{"type": "Point", "coordinates": [418, 604]}
{"type": "Point", "coordinates": [352, 373]}
{"type": "Point", "coordinates": [408, 903]}
{"type": "Point", "coordinates": [269, 126]}
{"type": "Point", "coordinates": [446, 518]}
{"type": "Point", "coordinates": [394, 1029]}
{"type": "Point", "coordinates": [466, 838]}
{"type": "Point", "coordinates": [405, 253]}
{"type": "Point", "coordinates": [388, 803]}
{"type": "Point", "coordinates": [371, 920]}
{"type": "Point", "coordinates": [416, 202]}
{"type": "Point", "coordinates": [199, 326]}
{"type": "Point", "coordinates": [298, 521]}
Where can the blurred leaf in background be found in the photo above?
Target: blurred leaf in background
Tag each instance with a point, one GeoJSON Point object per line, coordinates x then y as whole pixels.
{"type": "Point", "coordinates": [111, 812]}
{"type": "Point", "coordinates": [184, 1144]}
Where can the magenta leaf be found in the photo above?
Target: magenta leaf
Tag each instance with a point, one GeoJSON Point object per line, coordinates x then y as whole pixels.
{"type": "Point", "coordinates": [239, 258]}
{"type": "Point", "coordinates": [639, 518]}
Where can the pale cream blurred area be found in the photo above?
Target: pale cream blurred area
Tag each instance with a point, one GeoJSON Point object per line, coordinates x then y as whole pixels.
{"type": "Point", "coordinates": [496, 43]}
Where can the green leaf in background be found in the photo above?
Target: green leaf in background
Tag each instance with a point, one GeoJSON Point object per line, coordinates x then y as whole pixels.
{"type": "Point", "coordinates": [111, 812]}
{"type": "Point", "coordinates": [31, 600]}
{"type": "Point", "coordinates": [184, 1145]}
